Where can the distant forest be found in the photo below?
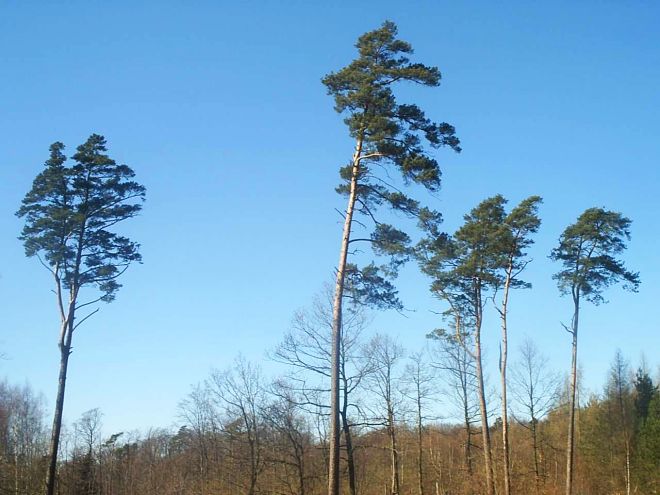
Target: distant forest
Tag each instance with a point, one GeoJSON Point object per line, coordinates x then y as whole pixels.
{"type": "Point", "coordinates": [240, 433]}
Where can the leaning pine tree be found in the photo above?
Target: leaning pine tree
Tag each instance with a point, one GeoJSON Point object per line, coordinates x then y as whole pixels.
{"type": "Point", "coordinates": [69, 213]}
{"type": "Point", "coordinates": [387, 135]}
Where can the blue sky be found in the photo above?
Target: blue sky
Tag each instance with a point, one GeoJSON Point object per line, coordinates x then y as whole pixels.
{"type": "Point", "coordinates": [219, 108]}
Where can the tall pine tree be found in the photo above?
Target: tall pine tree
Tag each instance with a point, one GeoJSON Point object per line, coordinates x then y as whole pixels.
{"type": "Point", "coordinates": [388, 136]}
{"type": "Point", "coordinates": [69, 215]}
{"type": "Point", "coordinates": [588, 251]}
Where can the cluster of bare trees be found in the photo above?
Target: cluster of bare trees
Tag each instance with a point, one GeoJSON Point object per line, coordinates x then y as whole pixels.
{"type": "Point", "coordinates": [23, 440]}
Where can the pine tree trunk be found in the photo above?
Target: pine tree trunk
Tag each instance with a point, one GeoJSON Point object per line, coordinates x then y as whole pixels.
{"type": "Point", "coordinates": [65, 352]}
{"type": "Point", "coordinates": [571, 406]}
{"type": "Point", "coordinates": [485, 434]}
{"type": "Point", "coordinates": [350, 456]}
{"type": "Point", "coordinates": [503, 360]}
{"type": "Point", "coordinates": [333, 462]}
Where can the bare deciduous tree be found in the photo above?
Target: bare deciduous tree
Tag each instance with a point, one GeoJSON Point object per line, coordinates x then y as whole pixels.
{"type": "Point", "coordinates": [239, 391]}
{"type": "Point", "coordinates": [535, 390]}
{"type": "Point", "coordinates": [419, 378]}
{"type": "Point", "coordinates": [306, 349]}
{"type": "Point", "coordinates": [457, 369]}
{"type": "Point", "coordinates": [386, 355]}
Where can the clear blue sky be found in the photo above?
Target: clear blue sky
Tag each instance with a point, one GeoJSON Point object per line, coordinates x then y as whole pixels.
{"type": "Point", "coordinates": [219, 108]}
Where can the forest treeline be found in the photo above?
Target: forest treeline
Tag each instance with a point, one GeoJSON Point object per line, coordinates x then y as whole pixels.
{"type": "Point", "coordinates": [241, 433]}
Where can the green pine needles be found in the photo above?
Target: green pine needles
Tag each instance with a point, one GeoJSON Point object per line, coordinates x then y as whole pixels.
{"type": "Point", "coordinates": [69, 212]}
{"type": "Point", "coordinates": [388, 135]}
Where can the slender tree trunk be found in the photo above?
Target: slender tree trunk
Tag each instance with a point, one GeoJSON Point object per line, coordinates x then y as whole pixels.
{"type": "Point", "coordinates": [485, 433]}
{"type": "Point", "coordinates": [17, 470]}
{"type": "Point", "coordinates": [350, 457]}
{"type": "Point", "coordinates": [627, 467]}
{"type": "Point", "coordinates": [503, 360]}
{"type": "Point", "coordinates": [624, 427]}
{"type": "Point", "coordinates": [463, 367]}
{"type": "Point", "coordinates": [467, 451]}
{"type": "Point", "coordinates": [66, 334]}
{"type": "Point", "coordinates": [301, 473]}
{"type": "Point", "coordinates": [571, 405]}
{"type": "Point", "coordinates": [535, 448]}
{"type": "Point", "coordinates": [393, 452]}
{"type": "Point", "coordinates": [333, 462]}
{"type": "Point", "coordinates": [348, 437]}
{"type": "Point", "coordinates": [253, 437]}
{"type": "Point", "coordinates": [420, 431]}
{"type": "Point", "coordinates": [65, 352]}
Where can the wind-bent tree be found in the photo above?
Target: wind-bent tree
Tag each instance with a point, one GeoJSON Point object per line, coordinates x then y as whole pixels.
{"type": "Point", "coordinates": [69, 214]}
{"type": "Point", "coordinates": [385, 133]}
{"type": "Point", "coordinates": [588, 252]}
{"type": "Point", "coordinates": [518, 226]}
{"type": "Point", "coordinates": [465, 269]}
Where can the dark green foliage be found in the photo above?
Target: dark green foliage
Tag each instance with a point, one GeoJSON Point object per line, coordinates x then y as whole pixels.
{"type": "Point", "coordinates": [69, 212]}
{"type": "Point", "coordinates": [363, 90]}
{"type": "Point", "coordinates": [368, 286]}
{"type": "Point", "coordinates": [471, 261]}
{"type": "Point", "coordinates": [478, 242]}
{"type": "Point", "coordinates": [519, 224]}
{"type": "Point", "coordinates": [644, 393]}
{"type": "Point", "coordinates": [588, 249]}
{"type": "Point", "coordinates": [388, 134]}
{"type": "Point", "coordinates": [646, 444]}
{"type": "Point", "coordinates": [647, 458]}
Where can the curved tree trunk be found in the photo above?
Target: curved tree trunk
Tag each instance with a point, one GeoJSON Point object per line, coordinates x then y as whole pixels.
{"type": "Point", "coordinates": [333, 462]}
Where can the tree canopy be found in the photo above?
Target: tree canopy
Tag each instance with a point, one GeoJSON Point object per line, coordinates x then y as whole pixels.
{"type": "Point", "coordinates": [69, 213]}
{"type": "Point", "coordinates": [588, 252]}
